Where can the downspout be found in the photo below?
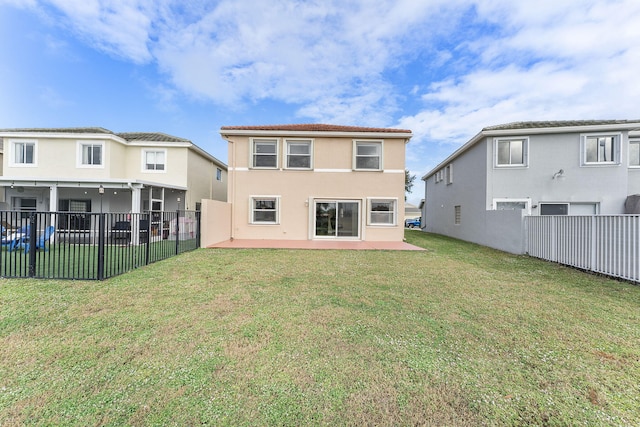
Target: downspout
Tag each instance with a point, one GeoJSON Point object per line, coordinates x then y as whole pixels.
{"type": "Point", "coordinates": [232, 175]}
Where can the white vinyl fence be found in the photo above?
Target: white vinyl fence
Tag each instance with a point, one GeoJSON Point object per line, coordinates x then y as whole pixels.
{"type": "Point", "coordinates": [607, 244]}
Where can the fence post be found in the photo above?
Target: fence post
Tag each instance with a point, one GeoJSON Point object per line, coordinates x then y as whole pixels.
{"type": "Point", "coordinates": [198, 216]}
{"type": "Point", "coordinates": [177, 231]}
{"type": "Point", "coordinates": [147, 258]}
{"type": "Point", "coordinates": [33, 230]}
{"type": "Point", "coordinates": [101, 244]}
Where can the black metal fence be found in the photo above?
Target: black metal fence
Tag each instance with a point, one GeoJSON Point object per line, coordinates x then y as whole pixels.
{"type": "Point", "coordinates": [91, 246]}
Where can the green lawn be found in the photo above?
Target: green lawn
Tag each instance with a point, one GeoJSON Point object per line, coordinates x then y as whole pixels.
{"type": "Point", "coordinates": [455, 335]}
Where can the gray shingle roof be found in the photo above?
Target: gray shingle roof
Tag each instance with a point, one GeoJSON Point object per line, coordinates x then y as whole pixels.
{"type": "Point", "coordinates": [150, 136]}
{"type": "Point", "coordinates": [60, 130]}
{"type": "Point", "coordinates": [557, 123]}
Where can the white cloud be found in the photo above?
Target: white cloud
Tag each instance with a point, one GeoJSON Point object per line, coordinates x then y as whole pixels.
{"type": "Point", "coordinates": [493, 61]}
{"type": "Point", "coordinates": [548, 60]}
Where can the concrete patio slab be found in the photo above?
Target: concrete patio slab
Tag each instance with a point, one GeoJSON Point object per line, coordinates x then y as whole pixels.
{"type": "Point", "coordinates": [315, 244]}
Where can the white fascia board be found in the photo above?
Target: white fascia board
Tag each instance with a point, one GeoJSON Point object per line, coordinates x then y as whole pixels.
{"type": "Point", "coordinates": [308, 133]}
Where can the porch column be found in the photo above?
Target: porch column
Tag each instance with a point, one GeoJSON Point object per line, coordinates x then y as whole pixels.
{"type": "Point", "coordinates": [135, 199]}
{"type": "Point", "coordinates": [53, 203]}
{"type": "Point", "coordinates": [53, 198]}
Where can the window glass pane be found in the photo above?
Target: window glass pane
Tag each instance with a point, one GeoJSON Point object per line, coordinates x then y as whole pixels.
{"type": "Point", "coordinates": [634, 153]}
{"type": "Point", "coordinates": [367, 163]}
{"type": "Point", "coordinates": [19, 153]}
{"type": "Point", "coordinates": [299, 162]}
{"type": "Point", "coordinates": [606, 147]}
{"type": "Point", "coordinates": [554, 209]}
{"type": "Point", "coordinates": [264, 216]}
{"type": "Point", "coordinates": [367, 150]}
{"type": "Point", "coordinates": [265, 204]}
{"type": "Point", "coordinates": [299, 148]}
{"type": "Point", "coordinates": [503, 153]}
{"type": "Point", "coordinates": [507, 206]}
{"type": "Point", "coordinates": [265, 148]}
{"type": "Point", "coordinates": [592, 149]}
{"type": "Point", "coordinates": [264, 161]}
{"type": "Point", "coordinates": [29, 149]}
{"type": "Point", "coordinates": [517, 152]}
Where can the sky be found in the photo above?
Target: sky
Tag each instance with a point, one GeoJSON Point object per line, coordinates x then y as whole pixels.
{"type": "Point", "coordinates": [444, 69]}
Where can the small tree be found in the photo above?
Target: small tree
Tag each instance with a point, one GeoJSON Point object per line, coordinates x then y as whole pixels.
{"type": "Point", "coordinates": [408, 182]}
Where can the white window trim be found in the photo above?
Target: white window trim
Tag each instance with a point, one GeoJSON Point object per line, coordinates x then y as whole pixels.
{"type": "Point", "coordinates": [251, 210]}
{"type": "Point", "coordinates": [616, 150]}
{"type": "Point", "coordinates": [277, 153]}
{"type": "Point", "coordinates": [394, 200]}
{"type": "Point", "coordinates": [143, 159]}
{"type": "Point", "coordinates": [527, 202]}
{"type": "Point", "coordinates": [525, 152]}
{"type": "Point", "coordinates": [370, 142]}
{"type": "Point", "coordinates": [81, 143]}
{"type": "Point", "coordinates": [285, 148]}
{"type": "Point", "coordinates": [632, 141]}
{"type": "Point", "coordinates": [449, 175]}
{"type": "Point", "coordinates": [12, 155]}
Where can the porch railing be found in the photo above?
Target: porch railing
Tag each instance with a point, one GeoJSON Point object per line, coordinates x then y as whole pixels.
{"type": "Point", "coordinates": [91, 246]}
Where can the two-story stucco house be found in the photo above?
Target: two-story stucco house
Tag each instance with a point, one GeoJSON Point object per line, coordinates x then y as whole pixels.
{"type": "Point", "coordinates": [94, 170]}
{"type": "Point", "coordinates": [316, 182]}
{"type": "Point", "coordinates": [480, 192]}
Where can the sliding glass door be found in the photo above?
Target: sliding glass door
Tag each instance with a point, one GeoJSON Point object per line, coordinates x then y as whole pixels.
{"type": "Point", "coordinates": [336, 218]}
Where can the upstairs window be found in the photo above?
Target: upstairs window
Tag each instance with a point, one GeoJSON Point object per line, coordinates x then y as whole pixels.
{"type": "Point", "coordinates": [299, 154]}
{"type": "Point", "coordinates": [24, 153]}
{"type": "Point", "coordinates": [601, 149]}
{"type": "Point", "coordinates": [90, 154]}
{"type": "Point", "coordinates": [368, 155]}
{"type": "Point", "coordinates": [511, 152]}
{"type": "Point", "coordinates": [634, 153]}
{"type": "Point", "coordinates": [264, 153]}
{"type": "Point", "coordinates": [154, 160]}
{"type": "Point", "coordinates": [218, 174]}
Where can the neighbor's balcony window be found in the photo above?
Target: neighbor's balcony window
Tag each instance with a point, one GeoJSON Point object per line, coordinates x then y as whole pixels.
{"type": "Point", "coordinates": [601, 149]}
{"type": "Point", "coordinates": [155, 160]}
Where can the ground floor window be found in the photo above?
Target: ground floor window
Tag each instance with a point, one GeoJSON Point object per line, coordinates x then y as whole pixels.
{"type": "Point", "coordinates": [264, 210]}
{"type": "Point", "coordinates": [24, 204]}
{"type": "Point", "coordinates": [77, 218]}
{"type": "Point", "coordinates": [554, 209]}
{"type": "Point", "coordinates": [512, 205]}
{"type": "Point", "coordinates": [457, 214]}
{"type": "Point", "coordinates": [382, 211]}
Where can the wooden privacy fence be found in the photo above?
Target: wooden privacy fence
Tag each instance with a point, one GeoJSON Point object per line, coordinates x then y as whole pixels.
{"type": "Point", "coordinates": [607, 244]}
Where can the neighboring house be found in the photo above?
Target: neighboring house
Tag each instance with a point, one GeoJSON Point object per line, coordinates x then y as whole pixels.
{"type": "Point", "coordinates": [411, 211]}
{"type": "Point", "coordinates": [480, 192]}
{"type": "Point", "coordinates": [305, 182]}
{"type": "Point", "coordinates": [94, 170]}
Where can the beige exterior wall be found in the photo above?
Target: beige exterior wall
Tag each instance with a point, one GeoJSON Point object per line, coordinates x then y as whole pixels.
{"type": "Point", "coordinates": [331, 179]}
{"type": "Point", "coordinates": [58, 158]}
{"type": "Point", "coordinates": [216, 220]}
